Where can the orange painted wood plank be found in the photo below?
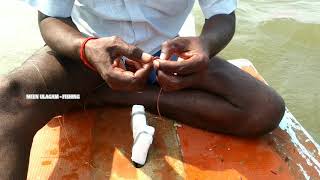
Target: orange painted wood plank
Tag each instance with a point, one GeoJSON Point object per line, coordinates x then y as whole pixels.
{"type": "Point", "coordinates": [59, 154]}
{"type": "Point", "coordinates": [99, 147]}
{"type": "Point", "coordinates": [216, 156]}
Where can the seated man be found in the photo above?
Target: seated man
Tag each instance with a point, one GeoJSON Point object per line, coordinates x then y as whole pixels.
{"type": "Point", "coordinates": [199, 89]}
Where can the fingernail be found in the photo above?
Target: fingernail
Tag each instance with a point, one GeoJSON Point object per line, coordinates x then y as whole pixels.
{"type": "Point", "coordinates": [146, 57]}
{"type": "Point", "coordinates": [180, 59]}
{"type": "Point", "coordinates": [162, 56]}
{"type": "Point", "coordinates": [156, 64]}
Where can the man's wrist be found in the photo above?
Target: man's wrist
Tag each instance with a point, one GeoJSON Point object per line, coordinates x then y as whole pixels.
{"type": "Point", "coordinates": [77, 42]}
{"type": "Point", "coordinates": [83, 55]}
{"type": "Point", "coordinates": [205, 45]}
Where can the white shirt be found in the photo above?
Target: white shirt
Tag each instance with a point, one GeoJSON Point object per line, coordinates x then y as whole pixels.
{"type": "Point", "coordinates": [144, 23]}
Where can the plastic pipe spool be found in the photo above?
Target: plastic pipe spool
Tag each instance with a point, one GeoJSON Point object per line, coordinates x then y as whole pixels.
{"type": "Point", "coordinates": [142, 136]}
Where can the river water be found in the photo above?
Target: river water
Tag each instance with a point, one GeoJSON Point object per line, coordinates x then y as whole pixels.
{"type": "Point", "coordinates": [281, 38]}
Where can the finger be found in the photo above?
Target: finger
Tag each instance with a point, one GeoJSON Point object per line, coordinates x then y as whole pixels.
{"type": "Point", "coordinates": [116, 77]}
{"type": "Point", "coordinates": [183, 67]}
{"type": "Point", "coordinates": [146, 57]}
{"type": "Point", "coordinates": [116, 63]}
{"type": "Point", "coordinates": [134, 64]}
{"type": "Point", "coordinates": [133, 52]}
{"type": "Point", "coordinates": [140, 77]}
{"type": "Point", "coordinates": [122, 80]}
{"type": "Point", "coordinates": [169, 47]}
{"type": "Point", "coordinates": [122, 65]}
{"type": "Point", "coordinates": [131, 68]}
{"type": "Point", "coordinates": [143, 73]}
{"type": "Point", "coordinates": [186, 55]}
{"type": "Point", "coordinates": [180, 59]}
{"type": "Point", "coordinates": [166, 50]}
{"type": "Point", "coordinates": [173, 83]}
{"type": "Point", "coordinates": [119, 64]}
{"type": "Point", "coordinates": [120, 75]}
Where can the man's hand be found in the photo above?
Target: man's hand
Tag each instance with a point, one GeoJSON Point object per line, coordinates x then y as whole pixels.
{"type": "Point", "coordinates": [190, 67]}
{"type": "Point", "coordinates": [105, 53]}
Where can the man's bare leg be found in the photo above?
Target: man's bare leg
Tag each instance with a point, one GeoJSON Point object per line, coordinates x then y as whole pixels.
{"type": "Point", "coordinates": [20, 118]}
{"type": "Point", "coordinates": [247, 107]}
{"type": "Point", "coordinates": [229, 101]}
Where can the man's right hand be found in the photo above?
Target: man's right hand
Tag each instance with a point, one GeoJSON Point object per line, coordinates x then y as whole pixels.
{"type": "Point", "coordinates": [102, 53]}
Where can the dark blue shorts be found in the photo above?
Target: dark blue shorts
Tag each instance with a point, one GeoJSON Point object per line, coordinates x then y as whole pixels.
{"type": "Point", "coordinates": [152, 79]}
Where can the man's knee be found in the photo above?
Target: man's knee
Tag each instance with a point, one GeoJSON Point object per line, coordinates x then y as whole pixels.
{"type": "Point", "coordinates": [263, 119]}
{"type": "Point", "coordinates": [12, 95]}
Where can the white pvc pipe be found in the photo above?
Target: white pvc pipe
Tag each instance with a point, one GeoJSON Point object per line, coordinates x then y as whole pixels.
{"type": "Point", "coordinates": [142, 135]}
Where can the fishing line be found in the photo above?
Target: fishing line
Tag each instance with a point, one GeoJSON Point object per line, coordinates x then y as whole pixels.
{"type": "Point", "coordinates": [91, 165]}
{"type": "Point", "coordinates": [63, 129]}
{"type": "Point", "coordinates": [39, 73]}
{"type": "Point", "coordinates": [158, 102]}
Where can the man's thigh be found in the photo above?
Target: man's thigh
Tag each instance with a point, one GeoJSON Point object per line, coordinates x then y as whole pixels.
{"type": "Point", "coordinates": [47, 72]}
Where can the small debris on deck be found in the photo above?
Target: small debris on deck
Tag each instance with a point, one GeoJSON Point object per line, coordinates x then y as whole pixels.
{"type": "Point", "coordinates": [175, 124]}
{"type": "Point", "coordinates": [273, 172]}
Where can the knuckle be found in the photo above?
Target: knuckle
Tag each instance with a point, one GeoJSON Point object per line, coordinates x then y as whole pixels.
{"type": "Point", "coordinates": [178, 38]}
{"type": "Point", "coordinates": [113, 38]}
{"type": "Point", "coordinates": [130, 48]}
{"type": "Point", "coordinates": [116, 40]}
{"type": "Point", "coordinates": [135, 51]}
{"type": "Point", "coordinates": [165, 43]}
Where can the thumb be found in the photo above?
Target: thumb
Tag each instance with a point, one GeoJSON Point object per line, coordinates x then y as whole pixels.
{"type": "Point", "coordinates": [134, 53]}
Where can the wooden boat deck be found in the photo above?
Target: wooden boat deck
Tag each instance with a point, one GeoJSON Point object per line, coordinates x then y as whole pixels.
{"type": "Point", "coordinates": [96, 144]}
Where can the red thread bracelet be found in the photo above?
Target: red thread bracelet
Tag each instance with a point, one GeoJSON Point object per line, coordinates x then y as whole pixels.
{"type": "Point", "coordinates": [83, 56]}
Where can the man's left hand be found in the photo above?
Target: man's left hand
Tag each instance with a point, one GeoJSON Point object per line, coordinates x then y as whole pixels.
{"type": "Point", "coordinates": [188, 70]}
